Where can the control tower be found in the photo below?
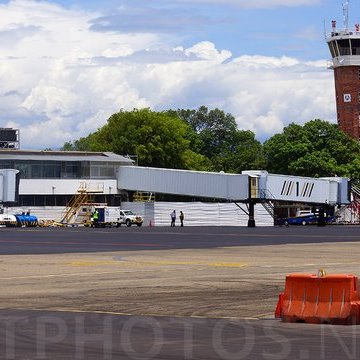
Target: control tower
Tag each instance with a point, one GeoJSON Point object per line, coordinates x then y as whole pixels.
{"type": "Point", "coordinates": [344, 45]}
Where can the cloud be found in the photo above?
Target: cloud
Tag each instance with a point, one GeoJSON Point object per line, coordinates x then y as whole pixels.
{"type": "Point", "coordinates": [255, 4]}
{"type": "Point", "coordinates": [15, 33]}
{"type": "Point", "coordinates": [61, 80]}
{"type": "Point", "coordinates": [146, 19]}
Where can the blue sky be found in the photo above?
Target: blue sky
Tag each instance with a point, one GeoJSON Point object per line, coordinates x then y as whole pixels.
{"type": "Point", "coordinates": [292, 28]}
{"type": "Point", "coordinates": [67, 65]}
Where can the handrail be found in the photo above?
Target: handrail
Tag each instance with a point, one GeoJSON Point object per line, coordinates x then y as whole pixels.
{"type": "Point", "coordinates": [266, 194]}
{"type": "Point", "coordinates": [355, 189]}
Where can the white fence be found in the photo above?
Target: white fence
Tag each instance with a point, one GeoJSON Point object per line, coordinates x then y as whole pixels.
{"type": "Point", "coordinates": [198, 213]}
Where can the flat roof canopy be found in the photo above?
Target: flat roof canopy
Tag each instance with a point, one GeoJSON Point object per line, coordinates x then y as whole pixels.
{"type": "Point", "coordinates": [63, 156]}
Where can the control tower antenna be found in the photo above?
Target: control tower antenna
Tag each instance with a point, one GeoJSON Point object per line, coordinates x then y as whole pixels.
{"type": "Point", "coordinates": [346, 14]}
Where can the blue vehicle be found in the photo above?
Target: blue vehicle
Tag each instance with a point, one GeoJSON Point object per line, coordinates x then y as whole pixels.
{"type": "Point", "coordinates": [310, 219]}
{"type": "Point", "coordinates": [26, 219]}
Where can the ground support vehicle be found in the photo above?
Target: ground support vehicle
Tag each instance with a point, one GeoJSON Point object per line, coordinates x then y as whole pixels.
{"type": "Point", "coordinates": [27, 220]}
{"type": "Point", "coordinates": [113, 216]}
{"type": "Point", "coordinates": [128, 218]}
{"type": "Point", "coordinates": [18, 220]}
{"type": "Point", "coordinates": [108, 217]}
{"type": "Point", "coordinates": [8, 220]}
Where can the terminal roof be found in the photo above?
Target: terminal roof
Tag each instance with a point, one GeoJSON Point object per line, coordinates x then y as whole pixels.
{"type": "Point", "coordinates": [64, 156]}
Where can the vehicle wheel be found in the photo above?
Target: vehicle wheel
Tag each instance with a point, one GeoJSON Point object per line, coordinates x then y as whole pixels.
{"type": "Point", "coordinates": [118, 225]}
{"type": "Point", "coordinates": [303, 223]}
{"type": "Point", "coordinates": [128, 222]}
{"type": "Point", "coordinates": [139, 224]}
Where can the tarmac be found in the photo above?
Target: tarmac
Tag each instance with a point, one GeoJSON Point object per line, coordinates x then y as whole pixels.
{"type": "Point", "coordinates": [183, 293]}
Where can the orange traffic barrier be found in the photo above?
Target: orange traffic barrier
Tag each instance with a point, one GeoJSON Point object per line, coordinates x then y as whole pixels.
{"type": "Point", "coordinates": [309, 298]}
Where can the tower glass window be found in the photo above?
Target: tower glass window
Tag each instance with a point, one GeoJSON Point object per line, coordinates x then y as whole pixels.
{"type": "Point", "coordinates": [355, 46]}
{"type": "Point", "coordinates": [344, 47]}
{"type": "Point", "coordinates": [333, 49]}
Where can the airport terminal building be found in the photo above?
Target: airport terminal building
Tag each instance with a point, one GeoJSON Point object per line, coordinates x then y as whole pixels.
{"type": "Point", "coordinates": [51, 178]}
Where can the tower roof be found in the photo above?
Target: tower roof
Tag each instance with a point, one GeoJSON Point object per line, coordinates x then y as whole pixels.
{"type": "Point", "coordinates": [344, 45]}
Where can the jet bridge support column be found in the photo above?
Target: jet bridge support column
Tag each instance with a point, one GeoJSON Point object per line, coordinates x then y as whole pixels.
{"type": "Point", "coordinates": [321, 218]}
{"type": "Point", "coordinates": [251, 221]}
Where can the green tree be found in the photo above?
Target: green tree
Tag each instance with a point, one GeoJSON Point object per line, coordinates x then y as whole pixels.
{"type": "Point", "coordinates": [187, 139]}
{"type": "Point", "coordinates": [218, 138]}
{"type": "Point", "coordinates": [157, 138]}
{"type": "Point", "coordinates": [317, 148]}
{"type": "Point", "coordinates": [243, 152]}
{"type": "Point", "coordinates": [68, 146]}
{"type": "Point", "coordinates": [354, 169]}
{"type": "Point", "coordinates": [215, 129]}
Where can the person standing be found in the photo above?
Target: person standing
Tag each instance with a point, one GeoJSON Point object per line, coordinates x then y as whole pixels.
{"type": "Point", "coordinates": [96, 218]}
{"type": "Point", "coordinates": [173, 218]}
{"type": "Point", "coordinates": [181, 217]}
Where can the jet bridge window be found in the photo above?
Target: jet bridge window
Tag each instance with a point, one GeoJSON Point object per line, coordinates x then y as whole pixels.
{"type": "Point", "coordinates": [254, 181]}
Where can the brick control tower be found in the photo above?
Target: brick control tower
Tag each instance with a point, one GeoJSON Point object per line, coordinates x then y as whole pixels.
{"type": "Point", "coordinates": [344, 45]}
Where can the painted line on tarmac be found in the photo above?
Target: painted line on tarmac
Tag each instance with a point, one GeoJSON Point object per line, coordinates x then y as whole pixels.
{"type": "Point", "coordinates": [332, 238]}
{"type": "Point", "coordinates": [101, 244]}
{"type": "Point", "coordinates": [312, 265]}
{"type": "Point", "coordinates": [156, 263]}
{"type": "Point", "coordinates": [177, 316]}
{"type": "Point", "coordinates": [126, 265]}
{"type": "Point", "coordinates": [202, 234]}
{"type": "Point", "coordinates": [58, 275]}
{"type": "Point", "coordinates": [264, 316]}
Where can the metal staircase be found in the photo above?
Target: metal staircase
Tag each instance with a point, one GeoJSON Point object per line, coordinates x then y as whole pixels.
{"type": "Point", "coordinates": [351, 213]}
{"type": "Point", "coordinates": [81, 197]}
{"type": "Point", "coordinates": [355, 203]}
{"type": "Point", "coordinates": [268, 202]}
{"type": "Point", "coordinates": [269, 207]}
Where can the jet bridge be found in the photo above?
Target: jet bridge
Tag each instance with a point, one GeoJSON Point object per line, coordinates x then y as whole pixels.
{"type": "Point", "coordinates": [234, 187]}
{"type": "Point", "coordinates": [9, 185]}
{"type": "Point", "coordinates": [250, 187]}
{"type": "Point", "coordinates": [269, 187]}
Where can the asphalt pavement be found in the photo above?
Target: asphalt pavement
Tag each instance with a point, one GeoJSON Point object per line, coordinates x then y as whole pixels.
{"type": "Point", "coordinates": [44, 334]}
{"type": "Point", "coordinates": [65, 335]}
{"type": "Point", "coordinates": [81, 239]}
